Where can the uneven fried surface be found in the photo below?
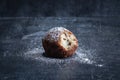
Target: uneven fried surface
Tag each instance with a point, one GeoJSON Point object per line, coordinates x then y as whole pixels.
{"type": "Point", "coordinates": [59, 42]}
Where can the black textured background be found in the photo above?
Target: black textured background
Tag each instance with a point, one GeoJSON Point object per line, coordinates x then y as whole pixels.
{"type": "Point", "coordinates": [96, 24]}
{"type": "Point", "coordinates": [65, 8]}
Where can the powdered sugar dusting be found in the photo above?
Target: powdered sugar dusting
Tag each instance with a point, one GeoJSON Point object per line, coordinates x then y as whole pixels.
{"type": "Point", "coordinates": [54, 33]}
{"type": "Point", "coordinates": [35, 51]}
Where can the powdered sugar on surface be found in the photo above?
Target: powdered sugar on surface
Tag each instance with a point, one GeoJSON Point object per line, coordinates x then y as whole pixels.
{"type": "Point", "coordinates": [35, 51]}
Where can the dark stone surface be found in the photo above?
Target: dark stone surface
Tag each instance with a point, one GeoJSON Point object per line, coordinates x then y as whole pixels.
{"type": "Point", "coordinates": [97, 58]}
{"type": "Point", "coordinates": [58, 8]}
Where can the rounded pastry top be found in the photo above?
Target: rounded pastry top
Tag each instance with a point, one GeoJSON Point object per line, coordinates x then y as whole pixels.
{"type": "Point", "coordinates": [54, 33]}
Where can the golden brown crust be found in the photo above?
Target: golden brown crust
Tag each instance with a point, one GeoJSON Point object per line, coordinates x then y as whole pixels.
{"type": "Point", "coordinates": [55, 49]}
